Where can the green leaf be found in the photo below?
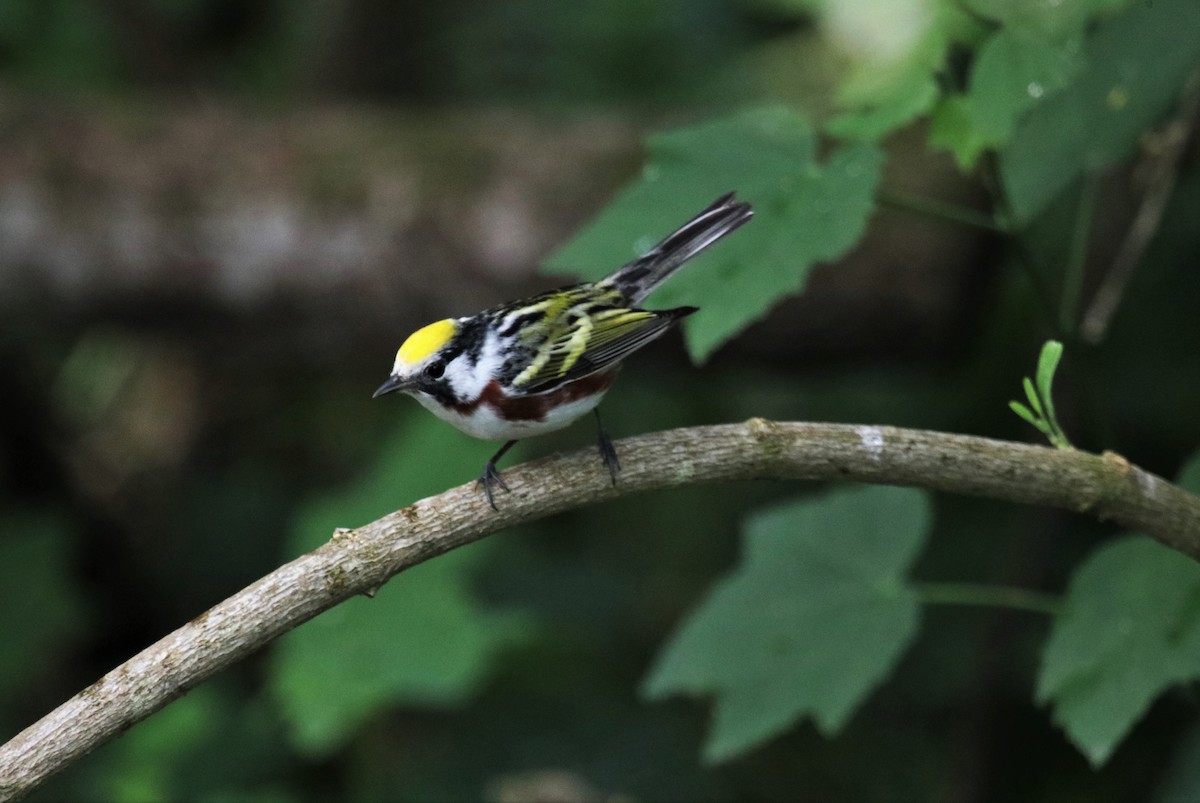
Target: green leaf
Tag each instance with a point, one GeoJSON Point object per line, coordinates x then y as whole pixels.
{"type": "Point", "coordinates": [906, 101]}
{"type": "Point", "coordinates": [1040, 412]}
{"type": "Point", "coordinates": [422, 639]}
{"type": "Point", "coordinates": [1025, 413]}
{"type": "Point", "coordinates": [1130, 629]}
{"type": "Point", "coordinates": [1048, 360]}
{"type": "Point", "coordinates": [805, 212]}
{"type": "Point", "coordinates": [952, 128]}
{"type": "Point", "coordinates": [1136, 63]}
{"type": "Point", "coordinates": [1032, 395]}
{"type": "Point", "coordinates": [1057, 20]}
{"type": "Point", "coordinates": [897, 51]}
{"type": "Point", "coordinates": [1012, 72]}
{"type": "Point", "coordinates": [1047, 364]}
{"type": "Point", "coordinates": [812, 620]}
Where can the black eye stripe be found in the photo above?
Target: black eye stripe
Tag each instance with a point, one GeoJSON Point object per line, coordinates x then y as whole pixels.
{"type": "Point", "coordinates": [435, 369]}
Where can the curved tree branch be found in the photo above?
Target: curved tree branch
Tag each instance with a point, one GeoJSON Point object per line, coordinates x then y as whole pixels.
{"type": "Point", "coordinates": [360, 561]}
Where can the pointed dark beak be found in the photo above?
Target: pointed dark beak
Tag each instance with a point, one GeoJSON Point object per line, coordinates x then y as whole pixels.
{"type": "Point", "coordinates": [392, 385]}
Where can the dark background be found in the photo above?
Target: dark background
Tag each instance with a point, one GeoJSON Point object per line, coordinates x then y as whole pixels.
{"type": "Point", "coordinates": [219, 219]}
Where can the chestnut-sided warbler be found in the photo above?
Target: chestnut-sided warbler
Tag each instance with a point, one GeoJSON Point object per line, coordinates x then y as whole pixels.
{"type": "Point", "coordinates": [534, 366]}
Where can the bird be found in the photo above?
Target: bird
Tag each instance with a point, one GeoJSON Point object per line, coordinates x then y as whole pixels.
{"type": "Point", "coordinates": [533, 366]}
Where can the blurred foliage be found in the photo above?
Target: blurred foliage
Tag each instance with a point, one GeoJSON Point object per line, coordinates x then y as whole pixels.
{"type": "Point", "coordinates": [147, 470]}
{"type": "Point", "coordinates": [897, 50]}
{"type": "Point", "coordinates": [804, 213]}
{"type": "Point", "coordinates": [837, 614]}
{"type": "Point", "coordinates": [531, 51]}
{"type": "Point", "coordinates": [44, 611]}
{"type": "Point", "coordinates": [1097, 119]}
{"type": "Point", "coordinates": [175, 755]}
{"type": "Point", "coordinates": [423, 640]}
{"type": "Point", "coordinates": [1129, 631]}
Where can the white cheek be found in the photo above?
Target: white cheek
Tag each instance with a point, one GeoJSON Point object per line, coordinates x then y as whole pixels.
{"type": "Point", "coordinates": [468, 382]}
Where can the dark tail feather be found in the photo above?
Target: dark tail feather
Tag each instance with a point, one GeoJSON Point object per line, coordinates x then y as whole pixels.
{"type": "Point", "coordinates": [648, 271]}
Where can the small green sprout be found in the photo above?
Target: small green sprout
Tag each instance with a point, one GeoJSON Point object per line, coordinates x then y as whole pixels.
{"type": "Point", "coordinates": [1040, 412]}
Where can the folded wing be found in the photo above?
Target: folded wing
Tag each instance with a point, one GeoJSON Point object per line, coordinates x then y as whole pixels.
{"type": "Point", "coordinates": [593, 342]}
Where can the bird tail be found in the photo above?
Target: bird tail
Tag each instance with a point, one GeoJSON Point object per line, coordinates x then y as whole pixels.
{"type": "Point", "coordinates": [637, 279]}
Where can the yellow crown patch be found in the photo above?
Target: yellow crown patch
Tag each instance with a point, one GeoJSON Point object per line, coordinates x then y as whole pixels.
{"type": "Point", "coordinates": [426, 341]}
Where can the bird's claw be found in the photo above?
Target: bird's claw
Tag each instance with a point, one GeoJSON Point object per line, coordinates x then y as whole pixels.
{"type": "Point", "coordinates": [608, 453]}
{"type": "Point", "coordinates": [489, 478]}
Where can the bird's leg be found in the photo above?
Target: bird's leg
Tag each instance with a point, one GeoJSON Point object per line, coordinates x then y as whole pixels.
{"type": "Point", "coordinates": [491, 477]}
{"type": "Point", "coordinates": [608, 452]}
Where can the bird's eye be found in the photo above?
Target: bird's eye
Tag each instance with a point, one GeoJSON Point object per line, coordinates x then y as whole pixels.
{"type": "Point", "coordinates": [435, 369]}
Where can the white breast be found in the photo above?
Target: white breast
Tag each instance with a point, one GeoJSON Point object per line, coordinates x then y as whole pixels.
{"type": "Point", "coordinates": [485, 424]}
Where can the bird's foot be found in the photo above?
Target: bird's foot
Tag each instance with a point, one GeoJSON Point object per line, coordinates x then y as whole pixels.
{"type": "Point", "coordinates": [608, 453]}
{"type": "Point", "coordinates": [489, 479]}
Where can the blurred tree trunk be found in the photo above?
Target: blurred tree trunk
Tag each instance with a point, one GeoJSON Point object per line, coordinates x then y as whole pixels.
{"type": "Point", "coordinates": [145, 209]}
{"type": "Point", "coordinates": [123, 200]}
